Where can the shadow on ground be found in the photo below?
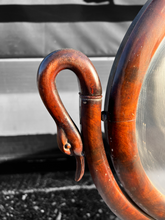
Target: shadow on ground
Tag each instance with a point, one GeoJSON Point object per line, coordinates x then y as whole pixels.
{"type": "Point", "coordinates": [43, 187]}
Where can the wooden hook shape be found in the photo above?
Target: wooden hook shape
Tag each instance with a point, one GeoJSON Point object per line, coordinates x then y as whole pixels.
{"type": "Point", "coordinates": [68, 136]}
{"type": "Point", "coordinates": [90, 118]}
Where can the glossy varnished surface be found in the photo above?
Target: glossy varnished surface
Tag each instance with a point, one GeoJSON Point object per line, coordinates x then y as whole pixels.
{"type": "Point", "coordinates": [150, 123]}
{"type": "Point", "coordinates": [133, 63]}
{"type": "Point", "coordinates": [90, 122]}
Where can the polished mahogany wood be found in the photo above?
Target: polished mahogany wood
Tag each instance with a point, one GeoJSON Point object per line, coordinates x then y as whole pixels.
{"type": "Point", "coordinates": [68, 137]}
{"type": "Point", "coordinates": [129, 74]}
{"type": "Point", "coordinates": [93, 147]}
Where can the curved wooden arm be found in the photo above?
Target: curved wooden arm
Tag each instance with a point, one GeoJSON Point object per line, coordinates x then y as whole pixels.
{"type": "Point", "coordinates": [68, 137]}
{"type": "Point", "coordinates": [91, 125]}
{"type": "Point", "coordinates": [121, 106]}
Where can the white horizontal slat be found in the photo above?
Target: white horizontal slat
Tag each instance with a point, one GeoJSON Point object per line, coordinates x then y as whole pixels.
{"type": "Point", "coordinates": [21, 109]}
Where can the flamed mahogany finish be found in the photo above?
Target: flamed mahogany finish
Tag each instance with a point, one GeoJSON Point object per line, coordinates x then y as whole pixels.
{"type": "Point", "coordinates": [68, 134]}
{"type": "Point", "coordinates": [131, 64]}
{"type": "Point", "coordinates": [123, 94]}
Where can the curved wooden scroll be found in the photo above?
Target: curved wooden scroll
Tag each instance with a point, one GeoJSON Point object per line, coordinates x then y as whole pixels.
{"type": "Point", "coordinates": [90, 122]}
{"type": "Point", "coordinates": [123, 96]}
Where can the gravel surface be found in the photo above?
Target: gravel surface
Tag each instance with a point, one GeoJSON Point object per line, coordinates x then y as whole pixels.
{"type": "Point", "coordinates": [77, 204]}
{"type": "Point", "coordinates": [41, 185]}
{"type": "Point", "coordinates": [49, 196]}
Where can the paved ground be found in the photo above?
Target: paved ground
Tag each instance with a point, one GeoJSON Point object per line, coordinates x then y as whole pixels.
{"type": "Point", "coordinates": [45, 190]}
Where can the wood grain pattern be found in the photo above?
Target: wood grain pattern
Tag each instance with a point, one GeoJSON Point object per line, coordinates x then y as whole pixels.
{"type": "Point", "coordinates": [90, 122]}
{"type": "Point", "coordinates": [142, 44]}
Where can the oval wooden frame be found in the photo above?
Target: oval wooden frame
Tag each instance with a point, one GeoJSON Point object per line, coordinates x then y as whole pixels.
{"type": "Point", "coordinates": [121, 101]}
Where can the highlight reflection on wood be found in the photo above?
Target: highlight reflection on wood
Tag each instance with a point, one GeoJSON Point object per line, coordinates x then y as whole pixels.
{"type": "Point", "coordinates": [131, 64]}
{"type": "Point", "coordinates": [129, 74]}
{"type": "Point", "coordinates": [93, 147]}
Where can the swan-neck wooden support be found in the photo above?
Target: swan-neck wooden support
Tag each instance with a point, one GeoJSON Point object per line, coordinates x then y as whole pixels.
{"type": "Point", "coordinates": [90, 142]}
{"type": "Point", "coordinates": [68, 136]}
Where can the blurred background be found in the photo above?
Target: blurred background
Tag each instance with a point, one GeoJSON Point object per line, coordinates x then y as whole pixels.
{"type": "Point", "coordinates": [29, 31]}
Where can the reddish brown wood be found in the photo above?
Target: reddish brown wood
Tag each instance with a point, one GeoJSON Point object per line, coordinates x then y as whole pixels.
{"type": "Point", "coordinates": [68, 137]}
{"type": "Point", "coordinates": [142, 44]}
{"type": "Point", "coordinates": [91, 126]}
